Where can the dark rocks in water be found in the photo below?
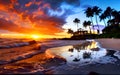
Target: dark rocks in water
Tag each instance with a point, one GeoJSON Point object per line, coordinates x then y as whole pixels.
{"type": "Point", "coordinates": [95, 49]}
{"type": "Point", "coordinates": [70, 50]}
{"type": "Point", "coordinates": [76, 60]}
{"type": "Point", "coordinates": [57, 59]}
{"type": "Point", "coordinates": [93, 73]}
{"type": "Point", "coordinates": [32, 42]}
{"type": "Point", "coordinates": [86, 55]}
{"type": "Point", "coordinates": [37, 47]}
{"type": "Point", "coordinates": [110, 52]}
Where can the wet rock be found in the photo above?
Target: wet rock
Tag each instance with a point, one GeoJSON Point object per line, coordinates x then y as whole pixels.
{"type": "Point", "coordinates": [95, 49]}
{"type": "Point", "coordinates": [110, 52]}
{"type": "Point", "coordinates": [32, 42]}
{"type": "Point", "coordinates": [93, 73]}
{"type": "Point", "coordinates": [57, 59]}
{"type": "Point", "coordinates": [37, 47]}
{"type": "Point", "coordinates": [70, 50]}
{"type": "Point", "coordinates": [86, 55]}
{"type": "Point", "coordinates": [76, 60]}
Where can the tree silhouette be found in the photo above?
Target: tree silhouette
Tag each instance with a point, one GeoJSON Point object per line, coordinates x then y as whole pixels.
{"type": "Point", "coordinates": [87, 23]}
{"type": "Point", "coordinates": [96, 11]}
{"type": "Point", "coordinates": [103, 17]}
{"type": "Point", "coordinates": [89, 13]}
{"type": "Point", "coordinates": [76, 21]}
{"type": "Point", "coordinates": [108, 12]}
{"type": "Point", "coordinates": [70, 31]}
{"type": "Point", "coordinates": [116, 17]}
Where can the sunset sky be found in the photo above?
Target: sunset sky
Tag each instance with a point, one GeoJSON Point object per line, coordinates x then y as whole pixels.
{"type": "Point", "coordinates": [47, 18]}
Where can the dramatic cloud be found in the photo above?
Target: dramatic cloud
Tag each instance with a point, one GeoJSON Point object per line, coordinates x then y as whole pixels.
{"type": "Point", "coordinates": [35, 16]}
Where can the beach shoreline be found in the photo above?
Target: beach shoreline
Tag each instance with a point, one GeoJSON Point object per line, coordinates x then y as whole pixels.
{"type": "Point", "coordinates": [99, 68]}
{"type": "Point", "coordinates": [105, 43]}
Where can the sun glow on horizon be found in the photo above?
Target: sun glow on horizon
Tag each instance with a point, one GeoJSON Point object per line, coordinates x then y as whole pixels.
{"type": "Point", "coordinates": [35, 36]}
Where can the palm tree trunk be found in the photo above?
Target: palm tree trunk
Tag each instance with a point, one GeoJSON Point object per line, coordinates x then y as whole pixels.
{"type": "Point", "coordinates": [97, 24]}
{"type": "Point", "coordinates": [104, 22]}
{"type": "Point", "coordinates": [77, 26]}
{"type": "Point", "coordinates": [92, 24]}
{"type": "Point", "coordinates": [110, 17]}
{"type": "Point", "coordinates": [90, 29]}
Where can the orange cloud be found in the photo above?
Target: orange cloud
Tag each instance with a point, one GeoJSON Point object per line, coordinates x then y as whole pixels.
{"type": "Point", "coordinates": [32, 17]}
{"type": "Point", "coordinates": [28, 4]}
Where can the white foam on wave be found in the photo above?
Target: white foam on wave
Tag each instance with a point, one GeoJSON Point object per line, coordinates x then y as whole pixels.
{"type": "Point", "coordinates": [90, 40]}
{"type": "Point", "coordinates": [20, 57]}
{"type": "Point", "coordinates": [117, 53]}
{"type": "Point", "coordinates": [15, 45]}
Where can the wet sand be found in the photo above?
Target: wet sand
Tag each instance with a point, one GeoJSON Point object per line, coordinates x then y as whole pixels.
{"type": "Point", "coordinates": [38, 61]}
{"type": "Point", "coordinates": [110, 43]}
{"type": "Point", "coordinates": [107, 68]}
{"type": "Point", "coordinates": [99, 68]}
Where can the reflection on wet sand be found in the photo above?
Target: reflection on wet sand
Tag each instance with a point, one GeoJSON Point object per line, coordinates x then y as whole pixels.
{"type": "Point", "coordinates": [89, 52]}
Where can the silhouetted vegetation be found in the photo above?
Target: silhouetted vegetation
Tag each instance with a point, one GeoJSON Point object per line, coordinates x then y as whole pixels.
{"type": "Point", "coordinates": [76, 21]}
{"type": "Point", "coordinates": [110, 17]}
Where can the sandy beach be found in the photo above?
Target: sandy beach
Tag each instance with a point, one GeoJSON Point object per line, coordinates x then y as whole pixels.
{"type": "Point", "coordinates": [110, 43]}
{"type": "Point", "coordinates": [46, 62]}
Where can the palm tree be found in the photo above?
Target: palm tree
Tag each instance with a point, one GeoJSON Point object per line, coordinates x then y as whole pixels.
{"type": "Point", "coordinates": [76, 21]}
{"type": "Point", "coordinates": [103, 17]}
{"type": "Point", "coordinates": [111, 22]}
{"type": "Point", "coordinates": [70, 31]}
{"type": "Point", "coordinates": [108, 12]}
{"type": "Point", "coordinates": [116, 17]}
{"type": "Point", "coordinates": [96, 11]}
{"type": "Point", "coordinates": [89, 13]}
{"type": "Point", "coordinates": [80, 31]}
{"type": "Point", "coordinates": [87, 23]}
